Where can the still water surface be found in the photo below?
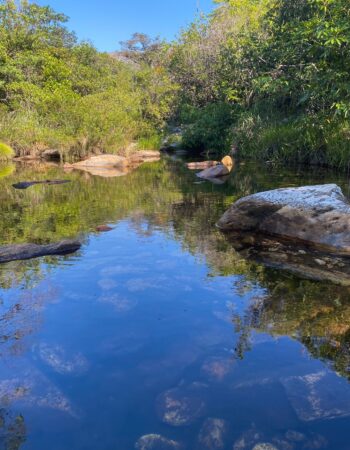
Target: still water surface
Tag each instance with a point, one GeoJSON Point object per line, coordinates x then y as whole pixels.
{"type": "Point", "coordinates": [159, 327]}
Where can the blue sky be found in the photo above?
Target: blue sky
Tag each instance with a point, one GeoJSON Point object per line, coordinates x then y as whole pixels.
{"type": "Point", "coordinates": [107, 22]}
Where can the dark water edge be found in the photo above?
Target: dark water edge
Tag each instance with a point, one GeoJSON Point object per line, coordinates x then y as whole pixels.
{"type": "Point", "coordinates": [159, 325]}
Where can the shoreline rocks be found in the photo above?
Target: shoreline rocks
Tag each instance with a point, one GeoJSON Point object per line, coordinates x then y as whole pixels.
{"type": "Point", "coordinates": [29, 251]}
{"type": "Point", "coordinates": [318, 216]}
{"type": "Point", "coordinates": [108, 166]}
{"type": "Point", "coordinates": [218, 170]}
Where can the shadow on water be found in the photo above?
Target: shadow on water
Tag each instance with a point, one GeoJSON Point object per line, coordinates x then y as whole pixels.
{"type": "Point", "coordinates": [160, 311]}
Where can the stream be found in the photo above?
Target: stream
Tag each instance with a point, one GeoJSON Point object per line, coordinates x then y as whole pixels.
{"type": "Point", "coordinates": [157, 334]}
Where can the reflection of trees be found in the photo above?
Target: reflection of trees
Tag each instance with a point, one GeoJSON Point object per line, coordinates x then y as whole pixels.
{"type": "Point", "coordinates": [316, 314]}
{"type": "Point", "coordinates": [165, 195]}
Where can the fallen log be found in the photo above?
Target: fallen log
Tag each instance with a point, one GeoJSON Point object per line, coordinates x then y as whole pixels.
{"type": "Point", "coordinates": [27, 184]}
{"type": "Point", "coordinates": [29, 251]}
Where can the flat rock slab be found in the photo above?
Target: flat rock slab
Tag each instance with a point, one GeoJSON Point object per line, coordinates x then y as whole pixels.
{"type": "Point", "coordinates": [28, 251]}
{"type": "Point", "coordinates": [315, 215]}
{"type": "Point", "coordinates": [110, 166]}
{"type": "Point", "coordinates": [320, 395]}
{"type": "Point", "coordinates": [27, 184]}
{"type": "Point", "coordinates": [102, 161]}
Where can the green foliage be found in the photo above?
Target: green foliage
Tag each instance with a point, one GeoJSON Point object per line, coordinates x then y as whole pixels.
{"type": "Point", "coordinates": [152, 142]}
{"type": "Point", "coordinates": [283, 66]}
{"type": "Point", "coordinates": [6, 151]}
{"type": "Point", "coordinates": [57, 92]}
{"type": "Point", "coordinates": [208, 127]}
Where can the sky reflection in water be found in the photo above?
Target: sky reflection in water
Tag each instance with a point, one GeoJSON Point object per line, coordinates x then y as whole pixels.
{"type": "Point", "coordinates": [159, 327]}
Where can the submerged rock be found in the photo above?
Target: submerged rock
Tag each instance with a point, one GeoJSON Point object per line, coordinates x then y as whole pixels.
{"type": "Point", "coordinates": [28, 251]}
{"type": "Point", "coordinates": [213, 434]}
{"type": "Point", "coordinates": [317, 396]}
{"type": "Point", "coordinates": [316, 215]}
{"type": "Point", "coordinates": [181, 406]}
{"type": "Point", "coordinates": [156, 442]}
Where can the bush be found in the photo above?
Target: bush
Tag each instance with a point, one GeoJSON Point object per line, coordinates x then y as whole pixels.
{"type": "Point", "coordinates": [6, 152]}
{"type": "Point", "coordinates": [208, 128]}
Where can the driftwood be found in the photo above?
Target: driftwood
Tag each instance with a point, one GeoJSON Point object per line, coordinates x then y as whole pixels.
{"type": "Point", "coordinates": [28, 251]}
{"type": "Point", "coordinates": [27, 184]}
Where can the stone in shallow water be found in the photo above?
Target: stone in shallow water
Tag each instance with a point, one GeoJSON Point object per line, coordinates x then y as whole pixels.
{"type": "Point", "coordinates": [156, 442]}
{"type": "Point", "coordinates": [181, 406]}
{"type": "Point", "coordinates": [320, 395]}
{"type": "Point", "coordinates": [213, 434]}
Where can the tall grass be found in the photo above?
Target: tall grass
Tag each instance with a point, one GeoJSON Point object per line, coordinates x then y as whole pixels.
{"type": "Point", "coordinates": [311, 140]}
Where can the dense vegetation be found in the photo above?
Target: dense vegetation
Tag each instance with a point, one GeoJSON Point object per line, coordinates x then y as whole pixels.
{"type": "Point", "coordinates": [268, 77]}
{"type": "Point", "coordinates": [271, 77]}
{"type": "Point", "coordinates": [56, 92]}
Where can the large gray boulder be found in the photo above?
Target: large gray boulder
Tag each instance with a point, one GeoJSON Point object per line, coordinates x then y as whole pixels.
{"type": "Point", "coordinates": [315, 215]}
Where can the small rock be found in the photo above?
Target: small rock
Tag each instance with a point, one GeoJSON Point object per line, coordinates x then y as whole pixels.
{"type": "Point", "coordinates": [227, 161]}
{"type": "Point", "coordinates": [103, 228]}
{"type": "Point", "coordinates": [156, 442]}
{"type": "Point", "coordinates": [320, 262]}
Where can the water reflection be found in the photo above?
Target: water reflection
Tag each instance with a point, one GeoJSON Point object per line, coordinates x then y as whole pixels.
{"type": "Point", "coordinates": [159, 333]}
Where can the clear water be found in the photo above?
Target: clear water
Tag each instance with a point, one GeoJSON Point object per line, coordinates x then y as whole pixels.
{"type": "Point", "coordinates": [159, 326]}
